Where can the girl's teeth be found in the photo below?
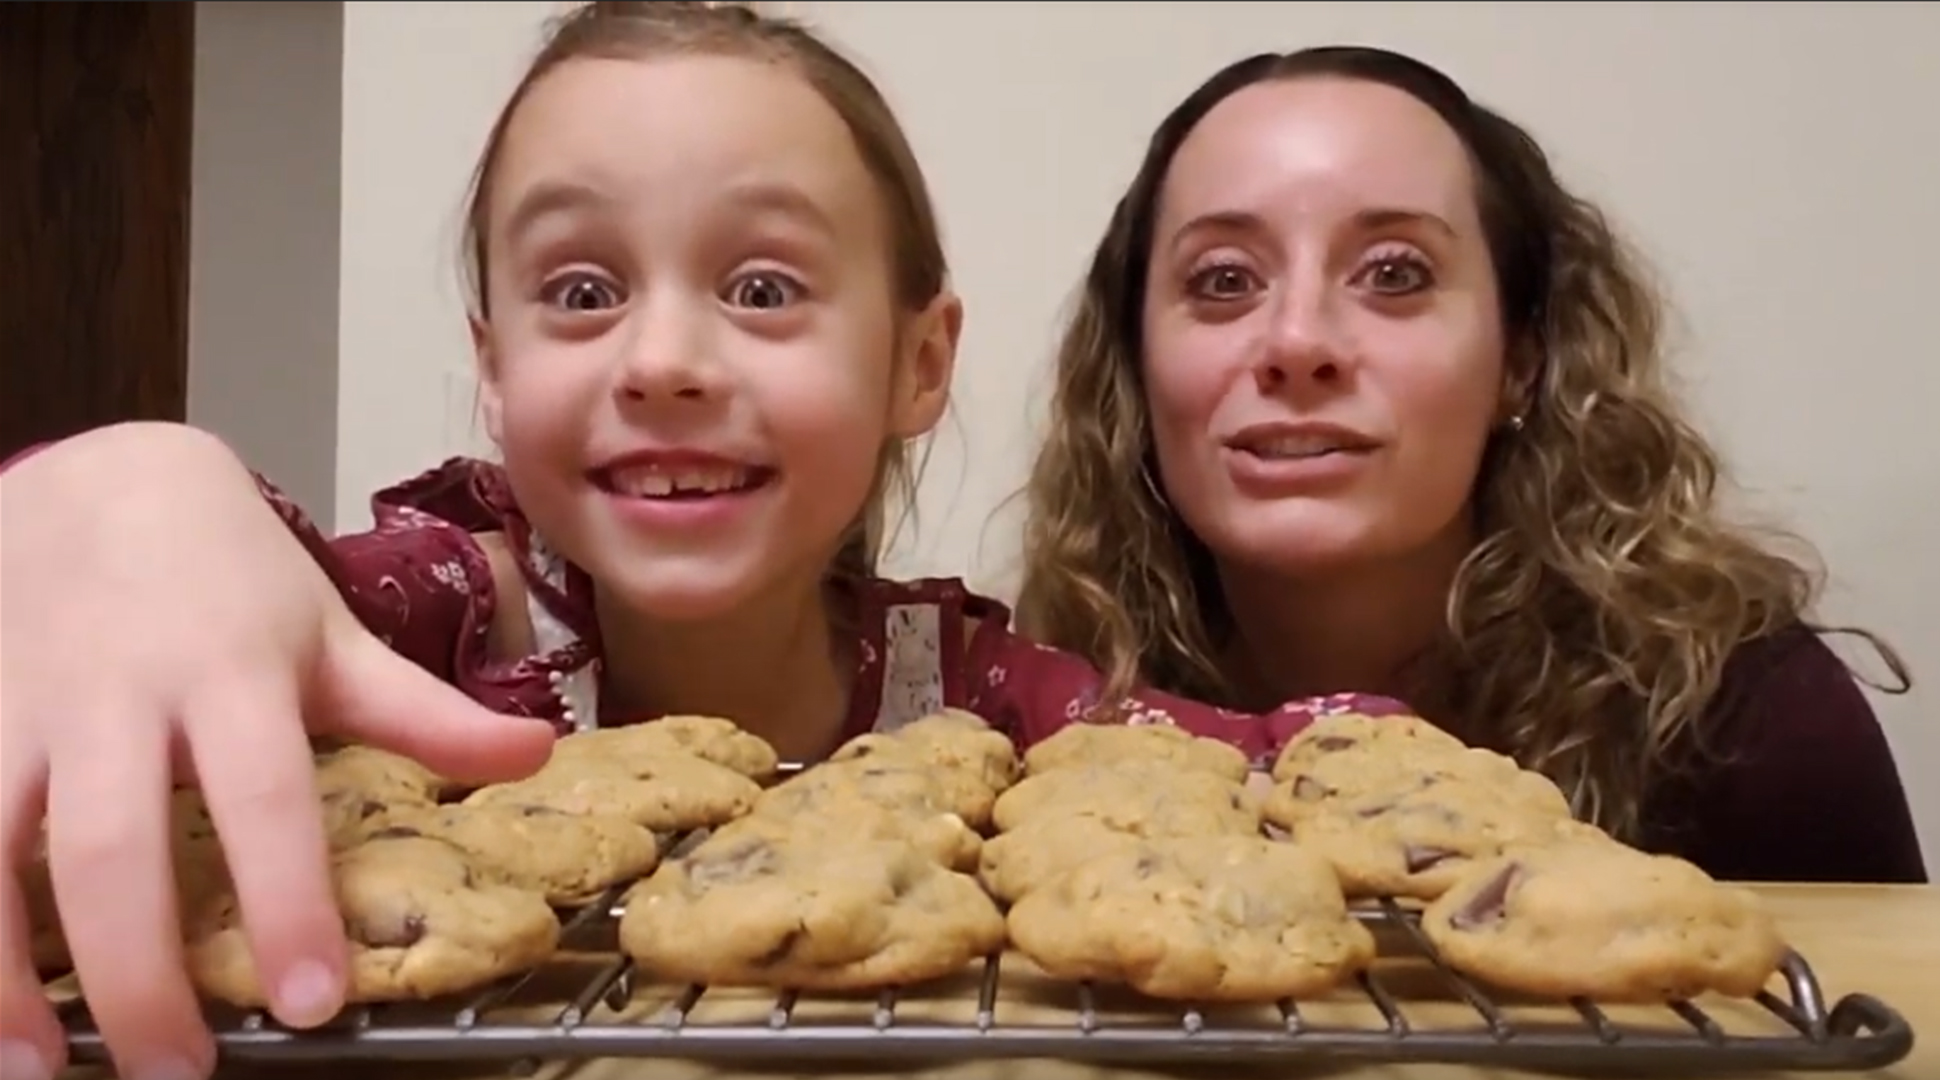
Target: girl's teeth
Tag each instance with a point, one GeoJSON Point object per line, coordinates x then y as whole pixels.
{"type": "Point", "coordinates": [656, 483]}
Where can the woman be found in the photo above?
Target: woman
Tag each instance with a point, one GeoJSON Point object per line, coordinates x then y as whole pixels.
{"type": "Point", "coordinates": [1389, 403]}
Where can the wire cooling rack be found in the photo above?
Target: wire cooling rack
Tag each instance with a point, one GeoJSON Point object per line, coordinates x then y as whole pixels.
{"type": "Point", "coordinates": [590, 1005]}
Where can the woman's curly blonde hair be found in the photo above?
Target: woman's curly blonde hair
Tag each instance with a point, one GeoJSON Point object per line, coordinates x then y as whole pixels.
{"type": "Point", "coordinates": [1589, 627]}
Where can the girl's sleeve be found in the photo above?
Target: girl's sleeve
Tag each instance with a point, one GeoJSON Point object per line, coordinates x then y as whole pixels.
{"type": "Point", "coordinates": [421, 584]}
{"type": "Point", "coordinates": [1031, 690]}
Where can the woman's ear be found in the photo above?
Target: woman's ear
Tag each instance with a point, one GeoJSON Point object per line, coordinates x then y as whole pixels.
{"type": "Point", "coordinates": [1522, 372]}
{"type": "Point", "coordinates": [925, 363]}
{"type": "Point", "coordinates": [491, 402]}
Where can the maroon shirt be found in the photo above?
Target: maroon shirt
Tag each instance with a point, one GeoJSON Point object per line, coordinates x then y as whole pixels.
{"type": "Point", "coordinates": [1797, 782]}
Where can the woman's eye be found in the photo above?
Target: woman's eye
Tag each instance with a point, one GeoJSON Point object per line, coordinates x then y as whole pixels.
{"type": "Point", "coordinates": [582, 292]}
{"type": "Point", "coordinates": [1396, 276]}
{"type": "Point", "coordinates": [1222, 282]}
{"type": "Point", "coordinates": [762, 292]}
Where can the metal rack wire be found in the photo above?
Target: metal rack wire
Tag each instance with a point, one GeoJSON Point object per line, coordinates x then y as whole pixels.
{"type": "Point", "coordinates": [1859, 1032]}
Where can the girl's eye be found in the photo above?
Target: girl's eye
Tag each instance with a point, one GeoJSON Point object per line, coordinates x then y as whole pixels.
{"type": "Point", "coordinates": [1396, 275]}
{"type": "Point", "coordinates": [1222, 282]}
{"type": "Point", "coordinates": [581, 292]}
{"type": "Point", "coordinates": [764, 291]}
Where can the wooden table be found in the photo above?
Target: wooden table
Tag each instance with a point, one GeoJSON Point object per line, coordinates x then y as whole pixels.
{"type": "Point", "coordinates": [1880, 940]}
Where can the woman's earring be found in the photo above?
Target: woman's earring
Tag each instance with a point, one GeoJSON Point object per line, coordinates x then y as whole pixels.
{"type": "Point", "coordinates": [1516, 423]}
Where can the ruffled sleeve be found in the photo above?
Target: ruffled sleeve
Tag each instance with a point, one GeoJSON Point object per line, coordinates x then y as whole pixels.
{"type": "Point", "coordinates": [417, 579]}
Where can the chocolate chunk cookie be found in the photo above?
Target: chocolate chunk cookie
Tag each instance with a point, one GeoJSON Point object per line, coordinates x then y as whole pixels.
{"type": "Point", "coordinates": [1355, 782]}
{"type": "Point", "coordinates": [1593, 918]}
{"type": "Point", "coordinates": [953, 740]}
{"type": "Point", "coordinates": [1228, 918]}
{"type": "Point", "coordinates": [1102, 744]}
{"type": "Point", "coordinates": [640, 746]}
{"type": "Point", "coordinates": [804, 914]}
{"type": "Point", "coordinates": [838, 813]}
{"type": "Point", "coordinates": [1015, 863]}
{"type": "Point", "coordinates": [570, 859]}
{"type": "Point", "coordinates": [672, 792]}
{"type": "Point", "coordinates": [1415, 842]}
{"type": "Point", "coordinates": [378, 774]}
{"type": "Point", "coordinates": [1387, 737]}
{"type": "Point", "coordinates": [1129, 790]}
{"type": "Point", "coordinates": [421, 922]}
{"type": "Point", "coordinates": [893, 780]}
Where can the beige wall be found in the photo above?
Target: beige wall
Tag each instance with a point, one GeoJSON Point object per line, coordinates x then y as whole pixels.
{"type": "Point", "coordinates": [1777, 161]}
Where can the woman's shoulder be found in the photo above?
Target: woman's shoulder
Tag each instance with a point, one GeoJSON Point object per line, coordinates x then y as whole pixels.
{"type": "Point", "coordinates": [1793, 669]}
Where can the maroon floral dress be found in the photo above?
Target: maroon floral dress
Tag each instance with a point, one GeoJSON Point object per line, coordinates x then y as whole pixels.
{"type": "Point", "coordinates": [420, 581]}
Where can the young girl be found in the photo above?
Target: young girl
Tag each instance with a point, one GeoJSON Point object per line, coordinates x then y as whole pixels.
{"type": "Point", "coordinates": [710, 311]}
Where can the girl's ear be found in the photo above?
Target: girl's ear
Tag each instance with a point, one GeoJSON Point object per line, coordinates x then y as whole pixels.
{"type": "Point", "coordinates": [926, 362]}
{"type": "Point", "coordinates": [491, 402]}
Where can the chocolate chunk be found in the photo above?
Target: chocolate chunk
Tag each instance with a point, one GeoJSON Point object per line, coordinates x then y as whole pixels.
{"type": "Point", "coordinates": [401, 934]}
{"type": "Point", "coordinates": [1486, 906]}
{"type": "Point", "coordinates": [1307, 789]}
{"type": "Point", "coordinates": [746, 860]}
{"type": "Point", "coordinates": [1421, 857]}
{"type": "Point", "coordinates": [782, 949]}
{"type": "Point", "coordinates": [1331, 743]}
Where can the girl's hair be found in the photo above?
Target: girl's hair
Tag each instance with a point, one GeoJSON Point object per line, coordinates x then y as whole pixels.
{"type": "Point", "coordinates": [649, 29]}
{"type": "Point", "coordinates": [1590, 625]}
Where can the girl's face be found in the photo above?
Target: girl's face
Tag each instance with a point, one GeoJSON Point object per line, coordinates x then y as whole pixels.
{"type": "Point", "coordinates": [693, 361]}
{"type": "Point", "coordinates": [1323, 346]}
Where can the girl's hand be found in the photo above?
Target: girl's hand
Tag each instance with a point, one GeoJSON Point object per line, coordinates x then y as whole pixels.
{"type": "Point", "coordinates": [155, 610]}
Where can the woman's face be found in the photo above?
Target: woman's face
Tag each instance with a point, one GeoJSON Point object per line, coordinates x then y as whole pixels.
{"type": "Point", "coordinates": [1323, 344]}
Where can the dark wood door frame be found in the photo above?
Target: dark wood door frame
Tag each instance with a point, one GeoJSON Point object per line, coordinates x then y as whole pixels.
{"type": "Point", "coordinates": [96, 104]}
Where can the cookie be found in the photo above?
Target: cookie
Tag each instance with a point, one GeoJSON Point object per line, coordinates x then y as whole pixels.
{"type": "Point", "coordinates": [836, 814]}
{"type": "Point", "coordinates": [1357, 782]}
{"type": "Point", "coordinates": [675, 792]}
{"type": "Point", "coordinates": [709, 738]}
{"type": "Point", "coordinates": [570, 859]}
{"type": "Point", "coordinates": [1595, 919]}
{"type": "Point", "coordinates": [1360, 734]}
{"type": "Point", "coordinates": [379, 774]}
{"type": "Point", "coordinates": [807, 915]}
{"type": "Point", "coordinates": [893, 781]}
{"type": "Point", "coordinates": [1129, 790]}
{"type": "Point", "coordinates": [1213, 919]}
{"type": "Point", "coordinates": [952, 739]}
{"type": "Point", "coordinates": [421, 922]}
{"type": "Point", "coordinates": [1417, 842]}
{"type": "Point", "coordinates": [1080, 745]}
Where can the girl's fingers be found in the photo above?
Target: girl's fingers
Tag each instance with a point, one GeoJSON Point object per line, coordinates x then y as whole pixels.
{"type": "Point", "coordinates": [376, 697]}
{"type": "Point", "coordinates": [109, 852]}
{"type": "Point", "coordinates": [258, 780]}
{"type": "Point", "coordinates": [32, 1045]}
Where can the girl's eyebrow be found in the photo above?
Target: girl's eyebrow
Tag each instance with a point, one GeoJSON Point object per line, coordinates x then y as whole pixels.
{"type": "Point", "coordinates": [553, 197]}
{"type": "Point", "coordinates": [781, 200]}
{"type": "Point", "coordinates": [548, 198]}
